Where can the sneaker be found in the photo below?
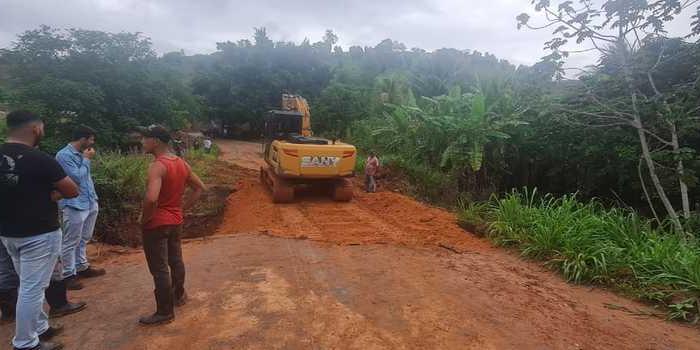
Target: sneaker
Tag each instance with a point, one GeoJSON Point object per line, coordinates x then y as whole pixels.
{"type": "Point", "coordinates": [45, 346]}
{"type": "Point", "coordinates": [91, 272]}
{"type": "Point", "coordinates": [156, 319]}
{"type": "Point", "coordinates": [69, 308]}
{"type": "Point", "coordinates": [51, 332]}
{"type": "Point", "coordinates": [72, 283]}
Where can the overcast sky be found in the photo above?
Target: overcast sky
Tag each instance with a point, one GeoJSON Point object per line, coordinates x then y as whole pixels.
{"type": "Point", "coordinates": [196, 25]}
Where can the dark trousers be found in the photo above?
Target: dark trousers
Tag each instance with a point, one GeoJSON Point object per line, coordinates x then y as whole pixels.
{"type": "Point", "coordinates": [163, 251]}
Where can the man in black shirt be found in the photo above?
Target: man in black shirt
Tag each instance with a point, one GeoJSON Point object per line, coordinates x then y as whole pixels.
{"type": "Point", "coordinates": [30, 183]}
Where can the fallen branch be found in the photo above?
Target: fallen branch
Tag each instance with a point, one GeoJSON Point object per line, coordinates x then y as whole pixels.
{"type": "Point", "coordinates": [449, 248]}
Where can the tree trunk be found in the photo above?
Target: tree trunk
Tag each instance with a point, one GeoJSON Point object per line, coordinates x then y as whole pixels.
{"type": "Point", "coordinates": [681, 171]}
{"type": "Point", "coordinates": [637, 122]}
{"type": "Point", "coordinates": [646, 192]}
{"type": "Point", "coordinates": [655, 178]}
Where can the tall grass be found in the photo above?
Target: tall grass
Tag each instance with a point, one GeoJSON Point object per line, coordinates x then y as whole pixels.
{"type": "Point", "coordinates": [588, 243]}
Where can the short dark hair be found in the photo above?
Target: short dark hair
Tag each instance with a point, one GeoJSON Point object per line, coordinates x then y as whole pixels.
{"type": "Point", "coordinates": [83, 131]}
{"type": "Point", "coordinates": [157, 132]}
{"type": "Point", "coordinates": [18, 119]}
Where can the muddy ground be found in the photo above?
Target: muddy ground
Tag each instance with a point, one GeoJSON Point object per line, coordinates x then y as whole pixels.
{"type": "Point", "coordinates": [381, 272]}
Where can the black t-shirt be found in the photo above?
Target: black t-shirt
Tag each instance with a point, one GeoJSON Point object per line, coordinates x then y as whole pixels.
{"type": "Point", "coordinates": [27, 177]}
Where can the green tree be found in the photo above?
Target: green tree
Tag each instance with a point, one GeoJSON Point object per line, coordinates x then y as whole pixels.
{"type": "Point", "coordinates": [620, 31]}
{"type": "Point", "coordinates": [110, 81]}
{"type": "Point", "coordinates": [337, 107]}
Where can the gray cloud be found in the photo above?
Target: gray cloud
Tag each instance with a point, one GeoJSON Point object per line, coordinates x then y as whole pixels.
{"type": "Point", "coordinates": [195, 26]}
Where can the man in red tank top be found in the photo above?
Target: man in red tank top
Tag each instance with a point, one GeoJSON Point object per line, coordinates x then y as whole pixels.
{"type": "Point", "coordinates": [162, 219]}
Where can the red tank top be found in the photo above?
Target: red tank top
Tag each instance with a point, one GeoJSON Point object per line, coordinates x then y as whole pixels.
{"type": "Point", "coordinates": [169, 211]}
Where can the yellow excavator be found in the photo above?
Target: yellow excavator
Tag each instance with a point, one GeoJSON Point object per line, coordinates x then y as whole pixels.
{"type": "Point", "coordinates": [293, 156]}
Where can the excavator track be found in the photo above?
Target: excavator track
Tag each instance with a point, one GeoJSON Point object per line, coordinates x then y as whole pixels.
{"type": "Point", "coordinates": [282, 190]}
{"type": "Point", "coordinates": [343, 191]}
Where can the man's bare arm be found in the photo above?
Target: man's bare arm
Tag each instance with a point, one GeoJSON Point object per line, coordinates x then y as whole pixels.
{"type": "Point", "coordinates": [197, 186]}
{"type": "Point", "coordinates": [150, 199]}
{"type": "Point", "coordinates": [65, 188]}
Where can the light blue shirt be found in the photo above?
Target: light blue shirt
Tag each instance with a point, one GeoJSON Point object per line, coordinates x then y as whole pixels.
{"type": "Point", "coordinates": [77, 168]}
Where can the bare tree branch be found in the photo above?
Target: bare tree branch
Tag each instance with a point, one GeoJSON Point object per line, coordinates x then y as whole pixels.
{"type": "Point", "coordinates": [583, 28]}
{"type": "Point", "coordinates": [657, 137]}
{"type": "Point", "coordinates": [646, 192]}
{"type": "Point", "coordinates": [608, 107]}
{"type": "Point", "coordinates": [601, 116]}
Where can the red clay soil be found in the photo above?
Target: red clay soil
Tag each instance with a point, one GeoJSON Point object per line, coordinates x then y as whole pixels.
{"type": "Point", "coordinates": [379, 272]}
{"type": "Point", "coordinates": [371, 218]}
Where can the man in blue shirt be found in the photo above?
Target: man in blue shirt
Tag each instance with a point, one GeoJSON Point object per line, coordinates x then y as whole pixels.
{"type": "Point", "coordinates": [80, 213]}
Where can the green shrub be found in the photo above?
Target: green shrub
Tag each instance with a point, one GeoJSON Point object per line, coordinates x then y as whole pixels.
{"type": "Point", "coordinates": [200, 160]}
{"type": "Point", "coordinates": [360, 164]}
{"type": "Point", "coordinates": [473, 216]}
{"type": "Point", "coordinates": [588, 243]}
{"type": "Point", "coordinates": [120, 180]}
{"type": "Point", "coordinates": [427, 183]}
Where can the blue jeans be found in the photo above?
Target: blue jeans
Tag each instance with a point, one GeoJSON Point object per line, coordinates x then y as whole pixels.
{"type": "Point", "coordinates": [34, 259]}
{"type": "Point", "coordinates": [78, 227]}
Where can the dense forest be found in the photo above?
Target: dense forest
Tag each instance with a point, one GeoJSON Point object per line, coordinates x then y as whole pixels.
{"type": "Point", "coordinates": [458, 124]}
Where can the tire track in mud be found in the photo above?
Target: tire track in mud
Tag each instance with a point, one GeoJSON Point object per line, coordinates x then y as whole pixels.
{"type": "Point", "coordinates": [347, 223]}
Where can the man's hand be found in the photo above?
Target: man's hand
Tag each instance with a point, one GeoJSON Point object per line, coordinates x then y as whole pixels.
{"type": "Point", "coordinates": [56, 196]}
{"type": "Point", "coordinates": [197, 186]}
{"type": "Point", "coordinates": [89, 153]}
{"type": "Point", "coordinates": [66, 188]}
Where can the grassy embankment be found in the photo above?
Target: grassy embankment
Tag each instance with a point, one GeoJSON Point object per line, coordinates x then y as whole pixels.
{"type": "Point", "coordinates": [588, 243]}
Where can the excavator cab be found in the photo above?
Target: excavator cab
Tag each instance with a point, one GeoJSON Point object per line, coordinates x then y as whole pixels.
{"type": "Point", "coordinates": [279, 125]}
{"type": "Point", "coordinates": [287, 126]}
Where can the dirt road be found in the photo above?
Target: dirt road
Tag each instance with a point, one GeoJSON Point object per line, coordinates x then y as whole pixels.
{"type": "Point", "coordinates": [380, 272]}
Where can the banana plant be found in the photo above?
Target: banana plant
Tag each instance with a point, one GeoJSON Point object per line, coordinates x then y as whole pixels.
{"type": "Point", "coordinates": [471, 126]}
{"type": "Point", "coordinates": [456, 127]}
